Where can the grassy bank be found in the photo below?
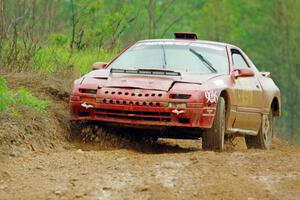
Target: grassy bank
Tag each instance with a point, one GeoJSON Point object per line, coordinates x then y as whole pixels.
{"type": "Point", "coordinates": [10, 100]}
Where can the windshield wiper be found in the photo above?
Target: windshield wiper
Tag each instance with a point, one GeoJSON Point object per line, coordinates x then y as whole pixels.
{"type": "Point", "coordinates": [165, 59]}
{"type": "Point", "coordinates": [205, 61]}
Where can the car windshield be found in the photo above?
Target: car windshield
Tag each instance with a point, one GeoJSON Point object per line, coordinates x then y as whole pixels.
{"type": "Point", "coordinates": [174, 56]}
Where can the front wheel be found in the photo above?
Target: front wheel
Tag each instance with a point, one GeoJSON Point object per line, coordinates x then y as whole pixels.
{"type": "Point", "coordinates": [213, 138]}
{"type": "Point", "coordinates": [263, 140]}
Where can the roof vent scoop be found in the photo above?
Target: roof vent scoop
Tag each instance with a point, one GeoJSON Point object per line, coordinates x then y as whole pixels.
{"type": "Point", "coordinates": [186, 35]}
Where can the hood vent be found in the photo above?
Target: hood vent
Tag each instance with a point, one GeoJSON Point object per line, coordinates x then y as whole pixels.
{"type": "Point", "coordinates": [146, 72]}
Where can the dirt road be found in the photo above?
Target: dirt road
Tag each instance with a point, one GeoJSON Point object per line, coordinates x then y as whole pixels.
{"type": "Point", "coordinates": [166, 169]}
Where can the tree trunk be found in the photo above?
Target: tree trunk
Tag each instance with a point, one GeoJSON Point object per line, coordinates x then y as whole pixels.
{"type": "Point", "coordinates": [3, 20]}
{"type": "Point", "coordinates": [151, 31]}
{"type": "Point", "coordinates": [73, 12]}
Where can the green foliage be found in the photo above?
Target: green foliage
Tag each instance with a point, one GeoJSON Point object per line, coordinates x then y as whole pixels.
{"type": "Point", "coordinates": [58, 39]}
{"type": "Point", "coordinates": [6, 96]}
{"type": "Point", "coordinates": [52, 59]}
{"type": "Point", "coordinates": [83, 60]}
{"type": "Point", "coordinates": [8, 101]}
{"type": "Point", "coordinates": [24, 97]}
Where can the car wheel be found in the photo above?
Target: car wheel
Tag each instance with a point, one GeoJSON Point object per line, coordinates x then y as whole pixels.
{"type": "Point", "coordinates": [263, 140]}
{"type": "Point", "coordinates": [75, 130]}
{"type": "Point", "coordinates": [213, 138]}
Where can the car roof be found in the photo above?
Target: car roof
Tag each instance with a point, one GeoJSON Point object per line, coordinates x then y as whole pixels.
{"type": "Point", "coordinates": [189, 41]}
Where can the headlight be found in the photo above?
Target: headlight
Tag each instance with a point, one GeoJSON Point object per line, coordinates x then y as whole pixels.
{"type": "Point", "coordinates": [88, 99]}
{"type": "Point", "coordinates": [88, 91]}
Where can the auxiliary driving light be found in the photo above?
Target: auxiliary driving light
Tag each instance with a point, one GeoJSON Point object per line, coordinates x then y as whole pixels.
{"type": "Point", "coordinates": [88, 99]}
{"type": "Point", "coordinates": [177, 105]}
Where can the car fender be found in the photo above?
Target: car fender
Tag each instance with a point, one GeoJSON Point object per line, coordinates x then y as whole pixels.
{"type": "Point", "coordinates": [270, 92]}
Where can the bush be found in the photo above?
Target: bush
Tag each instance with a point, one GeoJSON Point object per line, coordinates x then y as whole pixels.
{"type": "Point", "coordinates": [22, 98]}
{"type": "Point", "coordinates": [6, 96]}
{"type": "Point", "coordinates": [83, 60]}
{"type": "Point", "coordinates": [58, 39]}
{"type": "Point", "coordinates": [52, 59]}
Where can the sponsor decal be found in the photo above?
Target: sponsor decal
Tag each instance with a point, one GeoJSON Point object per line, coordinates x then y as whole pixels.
{"type": "Point", "coordinates": [86, 106]}
{"type": "Point", "coordinates": [211, 96]}
{"type": "Point", "coordinates": [178, 112]}
{"type": "Point", "coordinates": [215, 47]}
{"type": "Point", "coordinates": [245, 97]}
{"type": "Point", "coordinates": [162, 43]}
{"type": "Point", "coordinates": [245, 93]}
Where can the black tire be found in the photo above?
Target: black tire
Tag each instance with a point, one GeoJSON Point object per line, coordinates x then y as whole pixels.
{"type": "Point", "coordinates": [263, 140]}
{"type": "Point", "coordinates": [75, 129]}
{"type": "Point", "coordinates": [213, 138]}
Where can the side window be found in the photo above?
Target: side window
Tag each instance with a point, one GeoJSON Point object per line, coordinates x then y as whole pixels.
{"type": "Point", "coordinates": [237, 60]}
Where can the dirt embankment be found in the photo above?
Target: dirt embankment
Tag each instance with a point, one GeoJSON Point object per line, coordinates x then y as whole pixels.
{"type": "Point", "coordinates": [39, 161]}
{"type": "Point", "coordinates": [32, 131]}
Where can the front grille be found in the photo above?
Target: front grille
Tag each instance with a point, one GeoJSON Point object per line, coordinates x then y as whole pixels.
{"type": "Point", "coordinates": [137, 103]}
{"type": "Point", "coordinates": [125, 93]}
{"type": "Point", "coordinates": [84, 114]}
{"type": "Point", "coordinates": [135, 115]}
{"type": "Point", "coordinates": [137, 97]}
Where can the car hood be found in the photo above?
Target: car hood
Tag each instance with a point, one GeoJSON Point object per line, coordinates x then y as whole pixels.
{"type": "Point", "coordinates": [153, 82]}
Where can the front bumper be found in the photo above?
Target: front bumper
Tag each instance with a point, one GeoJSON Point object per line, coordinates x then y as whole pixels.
{"type": "Point", "coordinates": [195, 115]}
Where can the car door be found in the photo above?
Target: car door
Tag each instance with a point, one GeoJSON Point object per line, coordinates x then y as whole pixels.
{"type": "Point", "coordinates": [248, 95]}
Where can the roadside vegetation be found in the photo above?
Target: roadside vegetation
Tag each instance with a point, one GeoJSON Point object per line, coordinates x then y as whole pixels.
{"type": "Point", "coordinates": [10, 100]}
{"type": "Point", "coordinates": [52, 57]}
{"type": "Point", "coordinates": [57, 36]}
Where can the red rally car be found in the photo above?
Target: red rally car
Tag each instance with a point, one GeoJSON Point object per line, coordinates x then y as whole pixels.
{"type": "Point", "coordinates": [194, 88]}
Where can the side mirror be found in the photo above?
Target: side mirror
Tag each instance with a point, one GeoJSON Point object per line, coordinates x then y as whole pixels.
{"type": "Point", "coordinates": [99, 65]}
{"type": "Point", "coordinates": [243, 72]}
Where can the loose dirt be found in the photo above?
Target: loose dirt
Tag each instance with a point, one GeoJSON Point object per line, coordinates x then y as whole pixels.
{"type": "Point", "coordinates": [39, 160]}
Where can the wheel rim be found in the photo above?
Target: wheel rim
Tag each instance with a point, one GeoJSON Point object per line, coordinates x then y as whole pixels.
{"type": "Point", "coordinates": [266, 127]}
{"type": "Point", "coordinates": [267, 130]}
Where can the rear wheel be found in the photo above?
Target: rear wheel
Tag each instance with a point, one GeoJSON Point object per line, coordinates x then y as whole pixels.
{"type": "Point", "coordinates": [213, 138]}
{"type": "Point", "coordinates": [263, 140]}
